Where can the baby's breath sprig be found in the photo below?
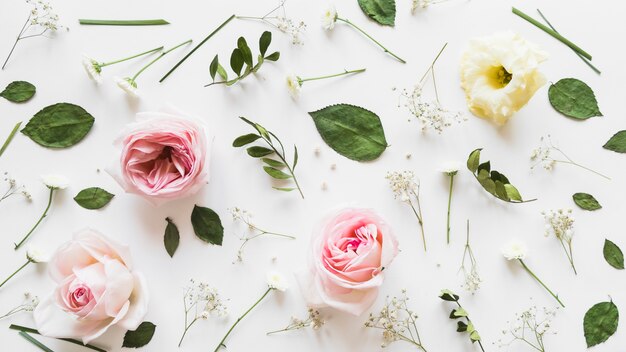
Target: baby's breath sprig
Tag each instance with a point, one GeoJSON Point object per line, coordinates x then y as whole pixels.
{"type": "Point", "coordinates": [530, 327]}
{"type": "Point", "coordinates": [405, 188]}
{"type": "Point", "coordinates": [397, 322]}
{"type": "Point", "coordinates": [543, 155]}
{"type": "Point", "coordinates": [461, 313]}
{"type": "Point", "coordinates": [200, 302]}
{"type": "Point", "coordinates": [245, 216]}
{"type": "Point", "coordinates": [278, 19]}
{"type": "Point", "coordinates": [424, 4]}
{"type": "Point", "coordinates": [29, 304]}
{"type": "Point", "coordinates": [14, 189]}
{"type": "Point", "coordinates": [469, 266]}
{"type": "Point", "coordinates": [313, 320]}
{"type": "Point", "coordinates": [560, 223]}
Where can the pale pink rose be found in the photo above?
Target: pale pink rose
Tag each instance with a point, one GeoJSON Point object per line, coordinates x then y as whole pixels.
{"type": "Point", "coordinates": [164, 156]}
{"type": "Point", "coordinates": [348, 254]}
{"type": "Point", "coordinates": [96, 288]}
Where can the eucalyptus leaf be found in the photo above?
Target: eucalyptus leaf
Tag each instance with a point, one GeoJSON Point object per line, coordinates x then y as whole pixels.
{"type": "Point", "coordinates": [18, 91]}
{"type": "Point", "coordinates": [245, 50]}
{"type": "Point", "coordinates": [213, 67]}
{"type": "Point", "coordinates": [600, 323]}
{"type": "Point", "coordinates": [245, 139]}
{"type": "Point", "coordinates": [139, 337]}
{"type": "Point", "coordinates": [586, 201]}
{"type": "Point", "coordinates": [258, 152]}
{"type": "Point", "coordinates": [351, 131]}
{"type": "Point", "coordinates": [60, 125]}
{"type": "Point", "coordinates": [236, 61]}
{"type": "Point", "coordinates": [171, 238]}
{"type": "Point", "coordinates": [613, 255]}
{"type": "Point", "coordinates": [207, 225]}
{"type": "Point", "coordinates": [617, 143]}
{"type": "Point", "coordinates": [273, 163]}
{"type": "Point", "coordinates": [574, 98]}
{"type": "Point", "coordinates": [264, 42]}
{"type": "Point", "coordinates": [275, 173]}
{"type": "Point", "coordinates": [93, 198]}
{"type": "Point", "coordinates": [381, 11]}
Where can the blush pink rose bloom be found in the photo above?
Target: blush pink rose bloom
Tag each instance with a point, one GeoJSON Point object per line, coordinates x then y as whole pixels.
{"type": "Point", "coordinates": [96, 289]}
{"type": "Point", "coordinates": [348, 254]}
{"type": "Point", "coordinates": [164, 156]}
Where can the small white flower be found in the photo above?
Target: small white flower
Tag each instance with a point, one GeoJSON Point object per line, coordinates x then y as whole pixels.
{"type": "Point", "coordinates": [127, 85]}
{"type": "Point", "coordinates": [451, 168]}
{"type": "Point", "coordinates": [329, 18]}
{"type": "Point", "coordinates": [55, 181]}
{"type": "Point", "coordinates": [277, 281]}
{"type": "Point", "coordinates": [293, 86]}
{"type": "Point", "coordinates": [35, 255]}
{"type": "Point", "coordinates": [514, 250]}
{"type": "Point", "coordinates": [92, 68]}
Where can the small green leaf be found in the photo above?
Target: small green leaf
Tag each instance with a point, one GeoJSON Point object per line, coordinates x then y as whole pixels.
{"type": "Point", "coordinates": [460, 313]}
{"type": "Point", "coordinates": [258, 152]}
{"type": "Point", "coordinates": [236, 61]}
{"type": "Point", "coordinates": [273, 163]}
{"type": "Point", "coordinates": [222, 72]}
{"type": "Point", "coordinates": [574, 98]}
{"type": "Point", "coordinates": [617, 143]}
{"type": "Point", "coordinates": [295, 157]}
{"type": "Point", "coordinates": [264, 42]}
{"type": "Point", "coordinates": [381, 11]}
{"type": "Point", "coordinates": [60, 125]}
{"type": "Point", "coordinates": [262, 131]}
{"type": "Point", "coordinates": [473, 160]}
{"type": "Point", "coordinates": [275, 173]}
{"type": "Point", "coordinates": [93, 198]}
{"type": "Point", "coordinates": [613, 255]}
{"type": "Point", "coordinates": [600, 323]}
{"type": "Point", "coordinates": [448, 295]}
{"type": "Point", "coordinates": [171, 238]}
{"type": "Point", "coordinates": [461, 326]}
{"type": "Point", "coordinates": [245, 139]}
{"type": "Point", "coordinates": [245, 50]}
{"type": "Point", "coordinates": [474, 336]}
{"type": "Point", "coordinates": [284, 189]}
{"type": "Point", "coordinates": [18, 91]}
{"type": "Point", "coordinates": [140, 337]}
{"type": "Point", "coordinates": [207, 225]}
{"type": "Point", "coordinates": [512, 192]}
{"type": "Point", "coordinates": [586, 201]}
{"type": "Point", "coordinates": [273, 56]}
{"type": "Point", "coordinates": [213, 67]}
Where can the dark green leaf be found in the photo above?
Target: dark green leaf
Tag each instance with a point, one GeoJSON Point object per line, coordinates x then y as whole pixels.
{"type": "Point", "coordinates": [586, 201]}
{"type": "Point", "coordinates": [236, 61]}
{"type": "Point", "coordinates": [262, 131]}
{"type": "Point", "coordinates": [264, 42]}
{"type": "Point", "coordinates": [448, 295]}
{"type": "Point", "coordinates": [461, 326]}
{"type": "Point", "coordinates": [351, 131]}
{"type": "Point", "coordinates": [613, 255]}
{"type": "Point", "coordinates": [245, 139]}
{"type": "Point", "coordinates": [275, 173]}
{"type": "Point", "coordinates": [258, 152]}
{"type": "Point", "coordinates": [617, 143]}
{"type": "Point", "coordinates": [93, 198]}
{"type": "Point", "coordinates": [213, 67]}
{"type": "Point", "coordinates": [600, 323]}
{"type": "Point", "coordinates": [473, 160]}
{"type": "Point", "coordinates": [381, 11]}
{"type": "Point", "coordinates": [171, 238]}
{"type": "Point", "coordinates": [60, 125]}
{"type": "Point", "coordinates": [573, 98]}
{"type": "Point", "coordinates": [245, 50]}
{"type": "Point", "coordinates": [207, 225]}
{"type": "Point", "coordinates": [273, 163]}
{"type": "Point", "coordinates": [273, 56]}
{"type": "Point", "coordinates": [295, 157]}
{"type": "Point", "coordinates": [18, 91]}
{"type": "Point", "coordinates": [139, 337]}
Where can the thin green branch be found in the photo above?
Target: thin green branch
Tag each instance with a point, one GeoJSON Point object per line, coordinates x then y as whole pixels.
{"type": "Point", "coordinates": [155, 22]}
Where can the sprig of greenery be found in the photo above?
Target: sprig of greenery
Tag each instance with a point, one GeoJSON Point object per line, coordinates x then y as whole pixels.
{"type": "Point", "coordinates": [243, 55]}
{"type": "Point", "coordinates": [461, 313]}
{"type": "Point", "coordinates": [273, 166]}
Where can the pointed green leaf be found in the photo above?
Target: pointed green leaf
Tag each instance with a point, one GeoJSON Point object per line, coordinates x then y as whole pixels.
{"type": "Point", "coordinates": [512, 192]}
{"type": "Point", "coordinates": [236, 61]}
{"type": "Point", "coordinates": [93, 198]}
{"type": "Point", "coordinates": [207, 225]}
{"type": "Point", "coordinates": [222, 72]}
{"type": "Point", "coordinates": [264, 42]}
{"type": "Point", "coordinates": [275, 173]}
{"type": "Point", "coordinates": [381, 11]}
{"type": "Point", "coordinates": [171, 238]}
{"type": "Point", "coordinates": [600, 323]}
{"type": "Point", "coordinates": [258, 152]}
{"type": "Point", "coordinates": [213, 67]}
{"type": "Point", "coordinates": [284, 189]}
{"type": "Point", "coordinates": [448, 295]}
{"type": "Point", "coordinates": [273, 163]}
{"type": "Point", "coordinates": [245, 50]}
{"type": "Point", "coordinates": [461, 326]}
{"type": "Point", "coordinates": [60, 125]}
{"type": "Point", "coordinates": [295, 157]}
{"type": "Point", "coordinates": [474, 160]}
{"type": "Point", "coordinates": [574, 98]}
{"type": "Point", "coordinates": [613, 255]}
{"type": "Point", "coordinates": [617, 143]}
{"type": "Point", "coordinates": [273, 56]}
{"type": "Point", "coordinates": [18, 91]}
{"type": "Point", "coordinates": [139, 337]}
{"type": "Point", "coordinates": [586, 201]}
{"type": "Point", "coordinates": [245, 139]}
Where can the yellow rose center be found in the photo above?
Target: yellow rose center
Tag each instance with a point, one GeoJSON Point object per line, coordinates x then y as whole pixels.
{"type": "Point", "coordinates": [499, 77]}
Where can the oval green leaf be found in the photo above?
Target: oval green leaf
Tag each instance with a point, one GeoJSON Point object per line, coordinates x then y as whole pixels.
{"type": "Point", "coordinates": [207, 225]}
{"type": "Point", "coordinates": [171, 238]}
{"type": "Point", "coordinates": [351, 131]}
{"type": "Point", "coordinates": [93, 198]}
{"type": "Point", "coordinates": [586, 201]}
{"type": "Point", "coordinates": [573, 98]}
{"type": "Point", "coordinates": [613, 255]}
{"type": "Point", "coordinates": [139, 337]}
{"type": "Point", "coordinates": [381, 11]}
{"type": "Point", "coordinates": [60, 125]}
{"type": "Point", "coordinates": [617, 143]}
{"type": "Point", "coordinates": [600, 323]}
{"type": "Point", "coordinates": [258, 152]}
{"type": "Point", "coordinates": [275, 173]}
{"type": "Point", "coordinates": [236, 61]}
{"type": "Point", "coordinates": [273, 56]}
{"type": "Point", "coordinates": [264, 42]}
{"type": "Point", "coordinates": [18, 91]}
{"type": "Point", "coordinates": [245, 50]}
{"type": "Point", "coordinates": [213, 67]}
{"type": "Point", "coordinates": [245, 139]}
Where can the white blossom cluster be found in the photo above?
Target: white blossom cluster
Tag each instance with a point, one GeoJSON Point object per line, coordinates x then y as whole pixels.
{"type": "Point", "coordinates": [529, 327]}
{"type": "Point", "coordinates": [429, 113]}
{"type": "Point", "coordinates": [42, 15]}
{"type": "Point", "coordinates": [559, 223]}
{"type": "Point", "coordinates": [204, 300]}
{"type": "Point", "coordinates": [397, 322]}
{"type": "Point", "coordinates": [13, 188]}
{"type": "Point", "coordinates": [402, 184]}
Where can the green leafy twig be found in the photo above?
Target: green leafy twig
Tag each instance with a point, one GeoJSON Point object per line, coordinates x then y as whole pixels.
{"type": "Point", "coordinates": [155, 22]}
{"type": "Point", "coordinates": [273, 166]}
{"type": "Point", "coordinates": [10, 137]}
{"type": "Point", "coordinates": [461, 313]}
{"type": "Point", "coordinates": [34, 331]}
{"type": "Point", "coordinates": [242, 55]}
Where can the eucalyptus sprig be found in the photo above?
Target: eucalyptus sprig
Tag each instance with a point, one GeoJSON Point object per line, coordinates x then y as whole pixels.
{"type": "Point", "coordinates": [243, 55]}
{"type": "Point", "coordinates": [461, 313]}
{"type": "Point", "coordinates": [273, 166]}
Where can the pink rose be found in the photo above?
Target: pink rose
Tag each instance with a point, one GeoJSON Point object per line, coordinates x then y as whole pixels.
{"type": "Point", "coordinates": [348, 255]}
{"type": "Point", "coordinates": [164, 156]}
{"type": "Point", "coordinates": [96, 288]}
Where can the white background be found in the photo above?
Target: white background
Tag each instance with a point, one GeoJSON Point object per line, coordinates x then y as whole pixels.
{"type": "Point", "coordinates": [53, 65]}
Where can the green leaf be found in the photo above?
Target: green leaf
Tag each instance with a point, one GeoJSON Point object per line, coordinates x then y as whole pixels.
{"type": "Point", "coordinates": [351, 131]}
{"type": "Point", "coordinates": [236, 61]}
{"type": "Point", "coordinates": [284, 189]}
{"type": "Point", "coordinates": [93, 198]}
{"type": "Point", "coordinates": [275, 173]}
{"type": "Point", "coordinates": [461, 326]}
{"type": "Point", "coordinates": [140, 337]}
{"type": "Point", "coordinates": [512, 192]}
{"type": "Point", "coordinates": [295, 157]}
{"type": "Point", "coordinates": [600, 323]}
{"type": "Point", "coordinates": [258, 152]}
{"type": "Point", "coordinates": [474, 336]}
{"type": "Point", "coordinates": [459, 313]}
{"type": "Point", "coordinates": [222, 72]}
{"type": "Point", "coordinates": [60, 125]}
{"type": "Point", "coordinates": [617, 143]}
{"type": "Point", "coordinates": [207, 225]}
{"type": "Point", "coordinates": [613, 255]}
{"type": "Point", "coordinates": [381, 11]}
{"type": "Point", "coordinates": [448, 295]}
{"type": "Point", "coordinates": [586, 201]}
{"type": "Point", "coordinates": [245, 139]}
{"type": "Point", "coordinates": [273, 56]}
{"type": "Point", "coordinates": [245, 50]}
{"type": "Point", "coordinates": [273, 163]}
{"type": "Point", "coordinates": [18, 91]}
{"type": "Point", "coordinates": [264, 42]}
{"type": "Point", "coordinates": [213, 67]}
{"type": "Point", "coordinates": [262, 131]}
{"type": "Point", "coordinates": [573, 98]}
{"type": "Point", "coordinates": [171, 239]}
{"type": "Point", "coordinates": [473, 160]}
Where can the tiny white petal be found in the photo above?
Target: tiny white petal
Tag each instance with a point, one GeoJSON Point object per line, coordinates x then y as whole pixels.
{"type": "Point", "coordinates": [277, 281]}
{"type": "Point", "coordinates": [55, 181]}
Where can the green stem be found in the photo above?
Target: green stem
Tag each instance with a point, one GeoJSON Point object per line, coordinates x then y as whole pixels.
{"type": "Point", "coordinates": [221, 344]}
{"type": "Point", "coordinates": [15, 272]}
{"type": "Point", "coordinates": [76, 342]}
{"type": "Point", "coordinates": [541, 282]}
{"type": "Point", "coordinates": [449, 203]}
{"type": "Point", "coordinates": [19, 36]}
{"type": "Point", "coordinates": [196, 48]}
{"type": "Point", "coordinates": [185, 331]}
{"type": "Point", "coordinates": [583, 167]}
{"type": "Point", "coordinates": [346, 72]}
{"type": "Point", "coordinates": [10, 137]}
{"type": "Point", "coordinates": [45, 212]}
{"type": "Point", "coordinates": [155, 22]}
{"type": "Point", "coordinates": [372, 39]}
{"type": "Point", "coordinates": [130, 57]}
{"type": "Point", "coordinates": [432, 65]}
{"type": "Point", "coordinates": [35, 342]}
{"type": "Point", "coordinates": [158, 58]}
{"type": "Point", "coordinates": [553, 33]}
{"type": "Point", "coordinates": [419, 219]}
